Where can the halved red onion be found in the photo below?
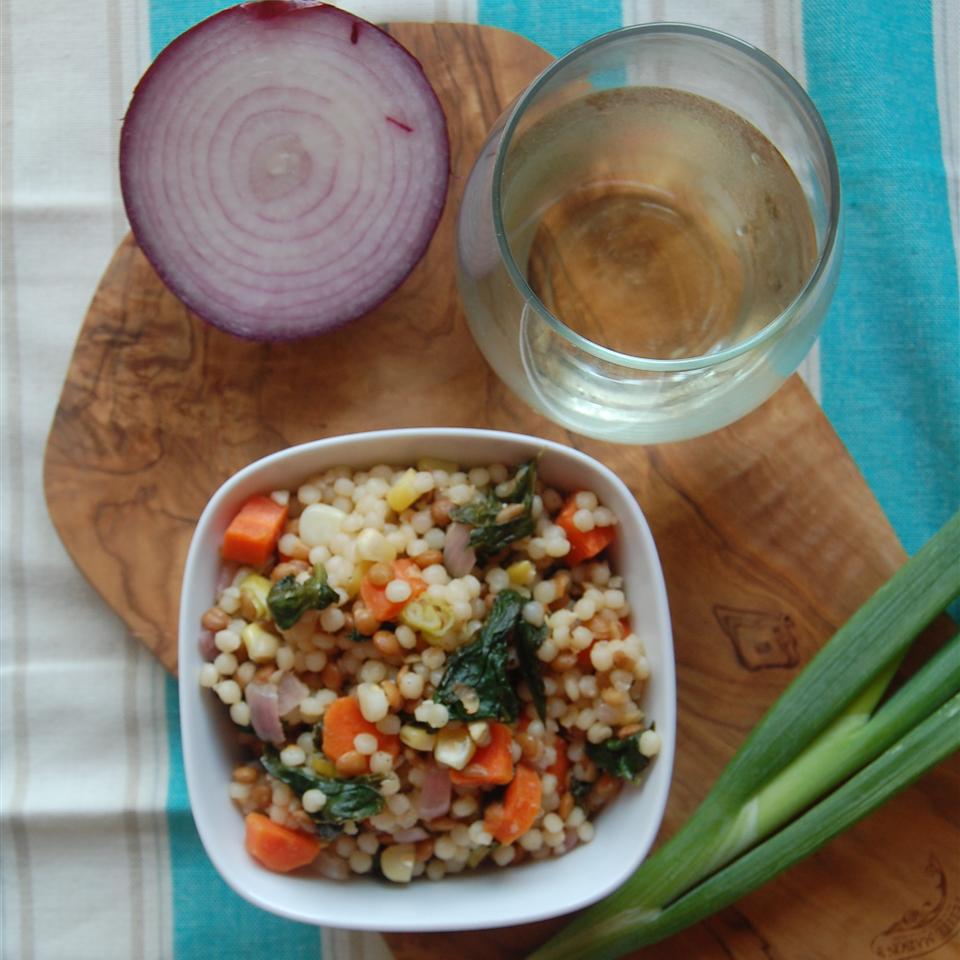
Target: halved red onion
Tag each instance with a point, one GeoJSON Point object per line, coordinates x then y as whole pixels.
{"type": "Point", "coordinates": [458, 556]}
{"type": "Point", "coordinates": [434, 793]}
{"type": "Point", "coordinates": [284, 165]}
{"type": "Point", "coordinates": [263, 700]}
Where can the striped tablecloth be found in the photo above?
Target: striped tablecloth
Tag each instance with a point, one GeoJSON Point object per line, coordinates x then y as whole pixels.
{"type": "Point", "coordinates": [100, 858]}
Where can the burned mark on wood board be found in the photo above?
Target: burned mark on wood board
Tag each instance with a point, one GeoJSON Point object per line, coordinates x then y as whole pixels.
{"type": "Point", "coordinates": [761, 640]}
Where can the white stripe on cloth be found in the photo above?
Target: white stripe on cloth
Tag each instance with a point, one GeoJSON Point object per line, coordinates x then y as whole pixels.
{"type": "Point", "coordinates": [85, 870]}
{"type": "Point", "coordinates": [946, 57]}
{"type": "Point", "coordinates": [427, 11]}
{"type": "Point", "coordinates": [776, 27]}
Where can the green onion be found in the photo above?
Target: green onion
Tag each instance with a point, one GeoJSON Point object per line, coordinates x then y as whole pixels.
{"type": "Point", "coordinates": [931, 741]}
{"type": "Point", "coordinates": [822, 730]}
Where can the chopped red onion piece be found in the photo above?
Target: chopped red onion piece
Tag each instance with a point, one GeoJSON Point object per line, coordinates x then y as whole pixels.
{"type": "Point", "coordinates": [458, 556]}
{"type": "Point", "coordinates": [434, 793]}
{"type": "Point", "coordinates": [284, 165]}
{"type": "Point", "coordinates": [225, 577]}
{"type": "Point", "coordinates": [264, 702]}
{"type": "Point", "coordinates": [570, 840]}
{"type": "Point", "coordinates": [208, 649]}
{"type": "Point", "coordinates": [290, 692]}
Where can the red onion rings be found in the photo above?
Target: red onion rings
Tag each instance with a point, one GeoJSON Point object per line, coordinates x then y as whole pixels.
{"type": "Point", "coordinates": [284, 165]}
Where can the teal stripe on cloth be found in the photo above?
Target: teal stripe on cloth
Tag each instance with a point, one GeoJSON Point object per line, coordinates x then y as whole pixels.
{"type": "Point", "coordinates": [209, 919]}
{"type": "Point", "coordinates": [557, 27]}
{"type": "Point", "coordinates": [169, 18]}
{"type": "Point", "coordinates": [890, 348]}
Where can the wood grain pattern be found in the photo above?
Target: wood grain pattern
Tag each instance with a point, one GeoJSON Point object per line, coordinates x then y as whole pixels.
{"type": "Point", "coordinates": [768, 535]}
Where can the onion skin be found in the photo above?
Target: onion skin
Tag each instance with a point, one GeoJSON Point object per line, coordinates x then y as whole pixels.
{"type": "Point", "coordinates": [284, 165]}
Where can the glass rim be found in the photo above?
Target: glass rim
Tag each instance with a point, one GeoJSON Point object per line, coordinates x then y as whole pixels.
{"type": "Point", "coordinates": [777, 323]}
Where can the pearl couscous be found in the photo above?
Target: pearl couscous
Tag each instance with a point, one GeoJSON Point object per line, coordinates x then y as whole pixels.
{"type": "Point", "coordinates": [431, 668]}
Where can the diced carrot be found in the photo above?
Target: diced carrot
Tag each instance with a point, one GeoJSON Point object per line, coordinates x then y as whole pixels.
{"type": "Point", "coordinates": [375, 597]}
{"type": "Point", "coordinates": [253, 533]}
{"type": "Point", "coordinates": [492, 764]}
{"type": "Point", "coordinates": [277, 847]}
{"type": "Point", "coordinates": [583, 658]}
{"type": "Point", "coordinates": [583, 544]}
{"type": "Point", "coordinates": [343, 721]}
{"type": "Point", "coordinates": [521, 804]}
{"type": "Point", "coordinates": [561, 765]}
{"type": "Point", "coordinates": [493, 818]}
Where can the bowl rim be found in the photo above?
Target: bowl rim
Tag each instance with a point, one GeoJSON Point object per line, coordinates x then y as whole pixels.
{"type": "Point", "coordinates": [191, 705]}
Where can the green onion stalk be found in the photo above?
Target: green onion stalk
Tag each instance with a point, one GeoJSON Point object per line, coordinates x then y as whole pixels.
{"type": "Point", "coordinates": [825, 729]}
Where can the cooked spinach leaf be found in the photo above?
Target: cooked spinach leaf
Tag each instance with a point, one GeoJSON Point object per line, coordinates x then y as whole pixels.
{"type": "Point", "coordinates": [288, 600]}
{"type": "Point", "coordinates": [353, 799]}
{"type": "Point", "coordinates": [580, 789]}
{"type": "Point", "coordinates": [482, 666]}
{"type": "Point", "coordinates": [620, 757]}
{"type": "Point", "coordinates": [490, 536]}
{"type": "Point", "coordinates": [527, 640]}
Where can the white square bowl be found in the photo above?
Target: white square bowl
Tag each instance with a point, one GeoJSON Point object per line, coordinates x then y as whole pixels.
{"type": "Point", "coordinates": [625, 830]}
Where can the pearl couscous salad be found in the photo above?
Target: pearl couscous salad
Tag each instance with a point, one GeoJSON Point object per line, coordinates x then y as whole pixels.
{"type": "Point", "coordinates": [429, 668]}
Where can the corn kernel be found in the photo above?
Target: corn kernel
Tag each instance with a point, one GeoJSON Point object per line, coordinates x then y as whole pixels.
{"type": "Point", "coordinates": [479, 732]}
{"type": "Point", "coordinates": [417, 738]}
{"type": "Point", "coordinates": [454, 747]}
{"type": "Point", "coordinates": [352, 583]}
{"type": "Point", "coordinates": [256, 589]}
{"type": "Point", "coordinates": [323, 766]}
{"type": "Point", "coordinates": [261, 644]}
{"type": "Point", "coordinates": [404, 492]}
{"type": "Point", "coordinates": [521, 572]}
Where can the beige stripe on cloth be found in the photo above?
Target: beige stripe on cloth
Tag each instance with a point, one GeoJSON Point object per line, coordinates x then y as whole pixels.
{"type": "Point", "coordinates": [16, 900]}
{"type": "Point", "coordinates": [85, 872]}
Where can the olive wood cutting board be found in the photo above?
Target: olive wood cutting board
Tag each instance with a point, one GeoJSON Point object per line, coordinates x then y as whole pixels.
{"type": "Point", "coordinates": [768, 535]}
